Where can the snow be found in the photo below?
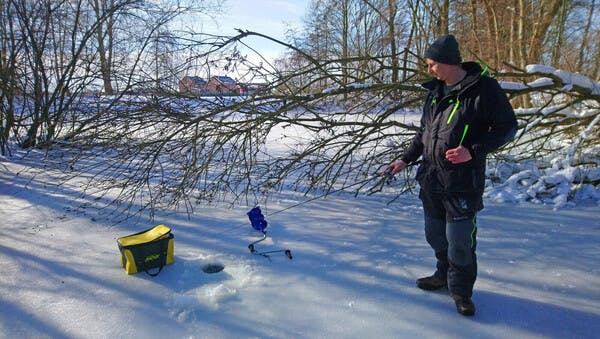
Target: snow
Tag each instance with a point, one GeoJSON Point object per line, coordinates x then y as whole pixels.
{"type": "Point", "coordinates": [569, 79]}
{"type": "Point", "coordinates": [352, 275]}
{"type": "Point", "coordinates": [512, 86]}
{"type": "Point", "coordinates": [534, 68]}
{"type": "Point", "coordinates": [541, 82]}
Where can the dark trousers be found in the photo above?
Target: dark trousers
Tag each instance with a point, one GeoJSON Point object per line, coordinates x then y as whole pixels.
{"type": "Point", "coordinates": [451, 231]}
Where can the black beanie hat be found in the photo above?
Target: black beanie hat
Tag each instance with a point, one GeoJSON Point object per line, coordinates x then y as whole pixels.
{"type": "Point", "coordinates": [444, 50]}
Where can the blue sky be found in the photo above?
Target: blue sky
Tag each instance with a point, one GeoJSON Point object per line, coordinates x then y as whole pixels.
{"type": "Point", "coordinates": [270, 17]}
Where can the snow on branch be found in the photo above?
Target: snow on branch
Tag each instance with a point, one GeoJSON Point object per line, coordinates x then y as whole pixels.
{"type": "Point", "coordinates": [550, 77]}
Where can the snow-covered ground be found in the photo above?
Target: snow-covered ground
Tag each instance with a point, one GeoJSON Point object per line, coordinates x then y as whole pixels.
{"type": "Point", "coordinates": [355, 261]}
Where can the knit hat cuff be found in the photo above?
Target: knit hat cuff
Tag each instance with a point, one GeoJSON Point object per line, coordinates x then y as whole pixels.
{"type": "Point", "coordinates": [444, 50]}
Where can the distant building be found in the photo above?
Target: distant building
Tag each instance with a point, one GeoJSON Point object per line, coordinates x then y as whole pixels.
{"type": "Point", "coordinates": [192, 85]}
{"type": "Point", "coordinates": [222, 85]}
{"type": "Point", "coordinates": [217, 85]}
{"type": "Point", "coordinates": [252, 88]}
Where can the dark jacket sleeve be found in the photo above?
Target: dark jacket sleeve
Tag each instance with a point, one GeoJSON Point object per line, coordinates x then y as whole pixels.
{"type": "Point", "coordinates": [500, 119]}
{"type": "Point", "coordinates": [415, 149]}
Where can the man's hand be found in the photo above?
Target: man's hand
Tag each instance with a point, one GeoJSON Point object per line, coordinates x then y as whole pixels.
{"type": "Point", "coordinates": [458, 155]}
{"type": "Point", "coordinates": [395, 167]}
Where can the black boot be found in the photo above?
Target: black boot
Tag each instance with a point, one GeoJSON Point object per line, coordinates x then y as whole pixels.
{"type": "Point", "coordinates": [431, 283]}
{"type": "Point", "coordinates": [464, 305]}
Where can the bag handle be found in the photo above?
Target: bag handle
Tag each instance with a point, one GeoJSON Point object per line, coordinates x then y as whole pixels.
{"type": "Point", "coordinates": [155, 274]}
{"type": "Point", "coordinates": [163, 249]}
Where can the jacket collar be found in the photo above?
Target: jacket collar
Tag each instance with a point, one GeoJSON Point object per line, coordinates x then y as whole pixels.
{"type": "Point", "coordinates": [473, 75]}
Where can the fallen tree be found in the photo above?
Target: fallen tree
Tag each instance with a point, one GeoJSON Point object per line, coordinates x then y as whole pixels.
{"type": "Point", "coordinates": [147, 152]}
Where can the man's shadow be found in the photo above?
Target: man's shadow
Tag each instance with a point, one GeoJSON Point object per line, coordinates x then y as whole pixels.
{"type": "Point", "coordinates": [538, 318]}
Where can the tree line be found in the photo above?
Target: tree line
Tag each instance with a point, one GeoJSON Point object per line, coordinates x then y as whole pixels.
{"type": "Point", "coordinates": [504, 34]}
{"type": "Point", "coordinates": [54, 52]}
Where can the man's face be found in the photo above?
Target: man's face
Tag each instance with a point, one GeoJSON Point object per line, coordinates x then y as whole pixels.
{"type": "Point", "coordinates": [438, 70]}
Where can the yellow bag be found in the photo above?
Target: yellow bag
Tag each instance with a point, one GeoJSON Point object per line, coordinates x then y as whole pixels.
{"type": "Point", "coordinates": [146, 250]}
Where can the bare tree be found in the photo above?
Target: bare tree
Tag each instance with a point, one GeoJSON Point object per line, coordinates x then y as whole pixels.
{"type": "Point", "coordinates": [388, 14]}
{"type": "Point", "coordinates": [51, 51]}
{"type": "Point", "coordinates": [105, 36]}
{"type": "Point", "coordinates": [544, 14]}
{"type": "Point", "coordinates": [586, 36]}
{"type": "Point", "coordinates": [596, 63]}
{"type": "Point", "coordinates": [48, 42]}
{"type": "Point", "coordinates": [11, 47]}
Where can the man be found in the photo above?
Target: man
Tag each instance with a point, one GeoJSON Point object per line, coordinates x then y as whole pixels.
{"type": "Point", "coordinates": [466, 115]}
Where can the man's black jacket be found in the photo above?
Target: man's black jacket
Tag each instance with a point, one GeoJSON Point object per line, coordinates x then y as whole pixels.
{"type": "Point", "coordinates": [475, 114]}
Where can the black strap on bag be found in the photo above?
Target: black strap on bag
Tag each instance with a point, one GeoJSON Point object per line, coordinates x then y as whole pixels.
{"type": "Point", "coordinates": [163, 252]}
{"type": "Point", "coordinates": [144, 251]}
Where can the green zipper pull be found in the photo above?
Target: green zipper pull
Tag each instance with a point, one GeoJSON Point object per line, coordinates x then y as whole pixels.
{"type": "Point", "coordinates": [486, 69]}
{"type": "Point", "coordinates": [453, 111]}
{"type": "Point", "coordinates": [463, 135]}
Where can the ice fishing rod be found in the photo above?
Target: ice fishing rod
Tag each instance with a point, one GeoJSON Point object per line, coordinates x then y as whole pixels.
{"type": "Point", "coordinates": [324, 195]}
{"type": "Point", "coordinates": [385, 178]}
{"type": "Point", "coordinates": [306, 201]}
{"type": "Point", "coordinates": [259, 223]}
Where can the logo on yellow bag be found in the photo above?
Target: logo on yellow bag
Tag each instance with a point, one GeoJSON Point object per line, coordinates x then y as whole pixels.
{"type": "Point", "coordinates": [152, 257]}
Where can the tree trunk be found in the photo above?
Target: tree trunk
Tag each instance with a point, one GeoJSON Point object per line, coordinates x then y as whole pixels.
{"type": "Point", "coordinates": [345, 32]}
{"type": "Point", "coordinates": [596, 68]}
{"type": "Point", "coordinates": [547, 12]}
{"type": "Point", "coordinates": [393, 9]}
{"type": "Point", "coordinates": [521, 34]}
{"type": "Point", "coordinates": [525, 99]}
{"type": "Point", "coordinates": [514, 27]}
{"type": "Point", "coordinates": [444, 17]}
{"type": "Point", "coordinates": [559, 40]}
{"type": "Point", "coordinates": [585, 37]}
{"type": "Point", "coordinates": [492, 24]}
{"type": "Point", "coordinates": [105, 53]}
{"type": "Point", "coordinates": [474, 26]}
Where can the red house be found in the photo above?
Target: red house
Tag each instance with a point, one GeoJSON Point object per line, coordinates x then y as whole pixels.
{"type": "Point", "coordinates": [222, 85]}
{"type": "Point", "coordinates": [192, 85]}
